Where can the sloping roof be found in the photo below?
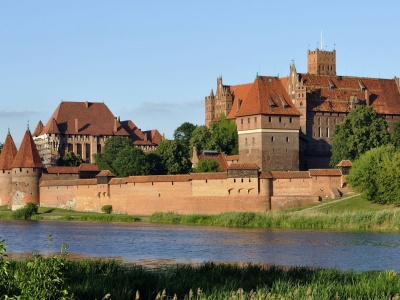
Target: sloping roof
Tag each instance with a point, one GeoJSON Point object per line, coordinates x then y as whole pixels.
{"type": "Point", "coordinates": [87, 167]}
{"type": "Point", "coordinates": [325, 172]}
{"type": "Point", "coordinates": [8, 153]}
{"type": "Point", "coordinates": [208, 176]}
{"type": "Point", "coordinates": [38, 129]}
{"type": "Point", "coordinates": [105, 173]}
{"type": "Point", "coordinates": [154, 136]}
{"type": "Point", "coordinates": [266, 95]}
{"type": "Point", "coordinates": [290, 175]}
{"type": "Point", "coordinates": [220, 158]}
{"type": "Point", "coordinates": [91, 118]}
{"type": "Point", "coordinates": [344, 163]}
{"type": "Point", "coordinates": [243, 167]}
{"type": "Point", "coordinates": [134, 132]}
{"type": "Point", "coordinates": [62, 170]}
{"type": "Point", "coordinates": [333, 93]}
{"type": "Point", "coordinates": [159, 178]}
{"type": "Point", "coordinates": [27, 155]}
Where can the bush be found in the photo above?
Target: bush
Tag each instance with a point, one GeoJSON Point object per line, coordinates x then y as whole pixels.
{"type": "Point", "coordinates": [107, 209]}
{"type": "Point", "coordinates": [26, 212]}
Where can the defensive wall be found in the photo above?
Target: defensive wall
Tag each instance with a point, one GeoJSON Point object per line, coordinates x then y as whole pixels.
{"type": "Point", "coordinates": [237, 190]}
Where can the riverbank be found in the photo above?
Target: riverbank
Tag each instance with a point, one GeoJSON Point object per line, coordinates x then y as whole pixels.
{"type": "Point", "coordinates": [93, 279]}
{"type": "Point", "coordinates": [350, 213]}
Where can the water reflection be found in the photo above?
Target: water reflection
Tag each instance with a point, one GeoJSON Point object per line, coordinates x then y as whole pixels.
{"type": "Point", "coordinates": [138, 242]}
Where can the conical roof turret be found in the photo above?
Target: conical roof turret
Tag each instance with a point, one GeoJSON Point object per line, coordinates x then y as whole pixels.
{"type": "Point", "coordinates": [27, 155]}
{"type": "Point", "coordinates": [39, 129]}
{"type": "Point", "coordinates": [8, 153]}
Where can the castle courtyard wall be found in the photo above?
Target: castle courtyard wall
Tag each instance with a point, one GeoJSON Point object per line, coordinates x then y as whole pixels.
{"type": "Point", "coordinates": [186, 194]}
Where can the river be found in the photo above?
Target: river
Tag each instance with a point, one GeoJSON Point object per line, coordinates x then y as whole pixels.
{"type": "Point", "coordinates": [154, 244]}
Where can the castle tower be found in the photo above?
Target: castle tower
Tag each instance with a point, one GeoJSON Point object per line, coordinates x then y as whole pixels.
{"type": "Point", "coordinates": [220, 103]}
{"type": "Point", "coordinates": [321, 62]}
{"type": "Point", "coordinates": [26, 170]}
{"type": "Point", "coordinates": [298, 94]}
{"type": "Point", "coordinates": [6, 158]}
{"type": "Point", "coordinates": [210, 104]}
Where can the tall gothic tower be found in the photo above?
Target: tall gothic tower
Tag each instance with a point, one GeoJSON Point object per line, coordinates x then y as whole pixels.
{"type": "Point", "coordinates": [26, 170]}
{"type": "Point", "coordinates": [6, 159]}
{"type": "Point", "coordinates": [321, 62]}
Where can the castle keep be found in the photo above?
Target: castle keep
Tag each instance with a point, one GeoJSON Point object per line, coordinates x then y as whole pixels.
{"type": "Point", "coordinates": [287, 123]}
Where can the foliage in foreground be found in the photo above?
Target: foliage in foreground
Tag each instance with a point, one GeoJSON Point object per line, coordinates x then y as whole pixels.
{"type": "Point", "coordinates": [93, 279]}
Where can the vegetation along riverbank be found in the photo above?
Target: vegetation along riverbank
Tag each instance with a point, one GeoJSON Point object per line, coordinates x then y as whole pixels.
{"type": "Point", "coordinates": [59, 278]}
{"type": "Point", "coordinates": [351, 213]}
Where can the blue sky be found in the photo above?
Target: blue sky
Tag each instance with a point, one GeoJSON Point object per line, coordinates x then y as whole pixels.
{"type": "Point", "coordinates": [154, 61]}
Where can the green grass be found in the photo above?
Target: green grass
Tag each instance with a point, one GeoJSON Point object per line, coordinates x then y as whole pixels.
{"type": "Point", "coordinates": [92, 279]}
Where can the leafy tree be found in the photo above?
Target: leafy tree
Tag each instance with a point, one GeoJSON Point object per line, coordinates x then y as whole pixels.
{"type": "Point", "coordinates": [1, 147]}
{"type": "Point", "coordinates": [396, 134]}
{"type": "Point", "coordinates": [200, 138]}
{"type": "Point", "coordinates": [70, 159]}
{"type": "Point", "coordinates": [112, 147]}
{"type": "Point", "coordinates": [376, 174]}
{"type": "Point", "coordinates": [184, 132]}
{"type": "Point", "coordinates": [361, 130]}
{"type": "Point", "coordinates": [173, 157]}
{"type": "Point", "coordinates": [155, 165]}
{"type": "Point", "coordinates": [224, 136]}
{"type": "Point", "coordinates": [130, 161]}
{"type": "Point", "coordinates": [207, 165]}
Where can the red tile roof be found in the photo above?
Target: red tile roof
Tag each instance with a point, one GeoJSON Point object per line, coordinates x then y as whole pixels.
{"type": "Point", "coordinates": [27, 155]}
{"type": "Point", "coordinates": [208, 176]}
{"type": "Point", "coordinates": [265, 175]}
{"type": "Point", "coordinates": [290, 175]}
{"type": "Point", "coordinates": [39, 128]}
{"type": "Point", "coordinates": [91, 118]}
{"type": "Point", "coordinates": [159, 178]}
{"type": "Point", "coordinates": [105, 173]}
{"type": "Point", "coordinates": [154, 136]}
{"type": "Point", "coordinates": [243, 167]}
{"type": "Point", "coordinates": [85, 167]}
{"type": "Point", "coordinates": [325, 172]}
{"type": "Point", "coordinates": [266, 95]}
{"type": "Point", "coordinates": [8, 153]}
{"type": "Point", "coordinates": [344, 163]}
{"type": "Point", "coordinates": [218, 157]}
{"type": "Point", "coordinates": [333, 93]}
{"type": "Point", "coordinates": [134, 132]}
{"type": "Point", "coordinates": [62, 170]}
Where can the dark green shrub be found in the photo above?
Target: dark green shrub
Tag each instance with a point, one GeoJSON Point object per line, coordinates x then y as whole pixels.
{"type": "Point", "coordinates": [107, 209]}
{"type": "Point", "coordinates": [26, 212]}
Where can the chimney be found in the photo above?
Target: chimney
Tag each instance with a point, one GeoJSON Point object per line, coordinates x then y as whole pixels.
{"type": "Point", "coordinates": [87, 104]}
{"type": "Point", "coordinates": [76, 125]}
{"type": "Point", "coordinates": [367, 97]}
{"type": "Point", "coordinates": [115, 125]}
{"type": "Point", "coordinates": [145, 137]}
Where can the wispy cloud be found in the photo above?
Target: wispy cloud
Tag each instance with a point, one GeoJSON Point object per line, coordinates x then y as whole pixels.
{"type": "Point", "coordinates": [17, 114]}
{"type": "Point", "coordinates": [165, 107]}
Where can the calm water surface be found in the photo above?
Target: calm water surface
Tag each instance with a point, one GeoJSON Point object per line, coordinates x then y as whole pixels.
{"type": "Point", "coordinates": [152, 244]}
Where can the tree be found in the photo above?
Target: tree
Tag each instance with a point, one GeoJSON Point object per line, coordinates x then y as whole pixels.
{"type": "Point", "coordinates": [376, 174]}
{"type": "Point", "coordinates": [200, 138]}
{"type": "Point", "coordinates": [361, 130]}
{"type": "Point", "coordinates": [112, 147]}
{"type": "Point", "coordinates": [207, 165]}
{"type": "Point", "coordinates": [184, 132]}
{"type": "Point", "coordinates": [174, 158]}
{"type": "Point", "coordinates": [224, 136]}
{"type": "Point", "coordinates": [1, 147]}
{"type": "Point", "coordinates": [130, 161]}
{"type": "Point", "coordinates": [396, 134]}
{"type": "Point", "coordinates": [155, 164]}
{"type": "Point", "coordinates": [70, 159]}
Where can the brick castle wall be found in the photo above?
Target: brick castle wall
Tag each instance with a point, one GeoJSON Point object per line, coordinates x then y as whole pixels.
{"type": "Point", "coordinates": [144, 196]}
